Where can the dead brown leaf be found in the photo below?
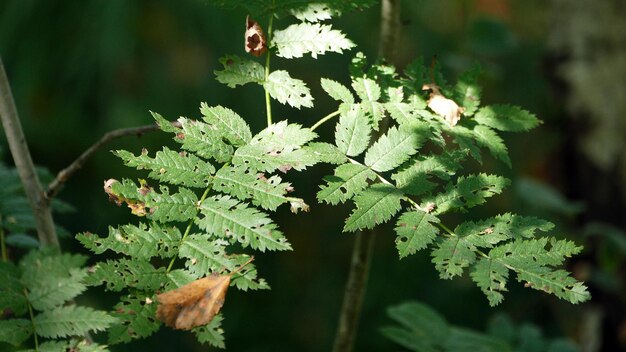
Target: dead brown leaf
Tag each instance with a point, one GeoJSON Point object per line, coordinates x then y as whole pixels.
{"type": "Point", "coordinates": [255, 42]}
{"type": "Point", "coordinates": [196, 303]}
{"type": "Point", "coordinates": [442, 106]}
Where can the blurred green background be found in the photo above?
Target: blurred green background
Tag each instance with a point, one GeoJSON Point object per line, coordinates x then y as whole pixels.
{"type": "Point", "coordinates": [81, 68]}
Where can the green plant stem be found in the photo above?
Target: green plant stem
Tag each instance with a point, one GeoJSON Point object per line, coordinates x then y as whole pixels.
{"type": "Point", "coordinates": [46, 230]}
{"type": "Point", "coordinates": [32, 321]}
{"type": "Point", "coordinates": [268, 101]}
{"type": "Point", "coordinates": [189, 226]}
{"type": "Point", "coordinates": [324, 119]}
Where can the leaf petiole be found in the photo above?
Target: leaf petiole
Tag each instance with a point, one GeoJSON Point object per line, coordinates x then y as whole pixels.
{"type": "Point", "coordinates": [268, 102]}
{"type": "Point", "coordinates": [324, 119]}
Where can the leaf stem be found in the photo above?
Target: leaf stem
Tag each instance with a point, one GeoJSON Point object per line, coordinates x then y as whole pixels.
{"type": "Point", "coordinates": [189, 226]}
{"type": "Point", "coordinates": [32, 320]}
{"type": "Point", "coordinates": [268, 102]}
{"type": "Point", "coordinates": [324, 119]}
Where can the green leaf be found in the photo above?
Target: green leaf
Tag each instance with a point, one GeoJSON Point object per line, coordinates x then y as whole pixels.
{"type": "Point", "coordinates": [278, 147]}
{"type": "Point", "coordinates": [136, 319]}
{"type": "Point", "coordinates": [229, 123]}
{"type": "Point", "coordinates": [15, 331]}
{"type": "Point", "coordinates": [468, 192]}
{"type": "Point", "coordinates": [466, 92]}
{"type": "Point", "coordinates": [303, 38]}
{"type": "Point", "coordinates": [287, 90]}
{"type": "Point", "coordinates": [212, 333]}
{"type": "Point", "coordinates": [52, 279]}
{"type": "Point", "coordinates": [488, 138]}
{"type": "Point", "coordinates": [337, 91]}
{"type": "Point", "coordinates": [12, 290]}
{"type": "Point", "coordinates": [395, 147]}
{"type": "Point", "coordinates": [234, 221]}
{"type": "Point", "coordinates": [369, 92]}
{"type": "Point", "coordinates": [452, 255]}
{"type": "Point", "coordinates": [239, 71]}
{"type": "Point", "coordinates": [326, 153]}
{"type": "Point", "coordinates": [501, 227]}
{"type": "Point", "coordinates": [348, 180]}
{"type": "Point", "coordinates": [268, 193]}
{"type": "Point", "coordinates": [119, 274]}
{"type": "Point", "coordinates": [415, 231]}
{"type": "Point", "coordinates": [171, 167]}
{"type": "Point", "coordinates": [21, 240]}
{"type": "Point", "coordinates": [506, 118]}
{"type": "Point", "coordinates": [421, 328]}
{"type": "Point", "coordinates": [375, 205]}
{"type": "Point", "coordinates": [139, 241]}
{"type": "Point", "coordinates": [353, 131]}
{"type": "Point", "coordinates": [465, 139]}
{"type": "Point", "coordinates": [405, 113]}
{"type": "Point", "coordinates": [162, 207]}
{"type": "Point", "coordinates": [203, 139]}
{"type": "Point", "coordinates": [71, 321]}
{"type": "Point", "coordinates": [204, 255]}
{"type": "Point", "coordinates": [415, 178]}
{"type": "Point", "coordinates": [491, 277]}
{"type": "Point", "coordinates": [247, 278]}
{"type": "Point", "coordinates": [315, 12]}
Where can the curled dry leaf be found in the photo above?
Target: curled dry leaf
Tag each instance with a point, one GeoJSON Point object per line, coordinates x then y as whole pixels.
{"type": "Point", "coordinates": [137, 208]}
{"type": "Point", "coordinates": [196, 303]}
{"type": "Point", "coordinates": [442, 106]}
{"type": "Point", "coordinates": [255, 42]}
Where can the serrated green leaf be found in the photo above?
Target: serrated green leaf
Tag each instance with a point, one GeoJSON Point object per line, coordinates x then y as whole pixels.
{"type": "Point", "coordinates": [452, 255]}
{"type": "Point", "coordinates": [466, 92]}
{"type": "Point", "coordinates": [234, 221]}
{"type": "Point", "coordinates": [212, 333]}
{"type": "Point", "coordinates": [278, 147]}
{"type": "Point", "coordinates": [404, 113]}
{"type": "Point", "coordinates": [12, 290]}
{"type": "Point", "coordinates": [304, 38]}
{"type": "Point", "coordinates": [415, 231]}
{"type": "Point", "coordinates": [119, 274]}
{"type": "Point", "coordinates": [161, 207]}
{"type": "Point", "coordinates": [415, 73]}
{"type": "Point", "coordinates": [239, 71]}
{"type": "Point", "coordinates": [468, 192]}
{"type": "Point", "coordinates": [348, 180]}
{"type": "Point", "coordinates": [203, 139]}
{"type": "Point", "coordinates": [204, 255]}
{"type": "Point", "coordinates": [465, 139]}
{"type": "Point", "coordinates": [369, 93]}
{"type": "Point", "coordinates": [327, 153]}
{"type": "Point", "coordinates": [230, 124]}
{"type": "Point", "coordinates": [353, 132]}
{"type": "Point", "coordinates": [136, 319]}
{"type": "Point", "coordinates": [420, 319]}
{"type": "Point", "coordinates": [415, 178]}
{"type": "Point", "coordinates": [315, 12]}
{"type": "Point", "coordinates": [247, 278]}
{"type": "Point", "coordinates": [506, 118]}
{"type": "Point", "coordinates": [337, 91]}
{"type": "Point", "coordinates": [489, 139]}
{"type": "Point", "coordinates": [505, 226]}
{"type": "Point", "coordinates": [140, 241]}
{"type": "Point", "coordinates": [287, 90]}
{"type": "Point", "coordinates": [267, 193]}
{"type": "Point", "coordinates": [491, 277]}
{"type": "Point", "coordinates": [15, 331]}
{"type": "Point", "coordinates": [45, 291]}
{"type": "Point", "coordinates": [375, 205]}
{"type": "Point", "coordinates": [71, 321]}
{"type": "Point", "coordinates": [171, 167]}
{"type": "Point", "coordinates": [178, 278]}
{"type": "Point", "coordinates": [395, 147]}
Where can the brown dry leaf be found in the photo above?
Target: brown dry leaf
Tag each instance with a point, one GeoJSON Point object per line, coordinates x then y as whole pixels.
{"type": "Point", "coordinates": [443, 106]}
{"type": "Point", "coordinates": [136, 207]}
{"type": "Point", "coordinates": [194, 304]}
{"type": "Point", "coordinates": [255, 42]}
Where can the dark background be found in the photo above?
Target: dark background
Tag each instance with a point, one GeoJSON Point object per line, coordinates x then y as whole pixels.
{"type": "Point", "coordinates": [81, 68]}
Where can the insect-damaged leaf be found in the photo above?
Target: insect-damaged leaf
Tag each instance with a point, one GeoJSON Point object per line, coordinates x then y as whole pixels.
{"type": "Point", "coordinates": [256, 44]}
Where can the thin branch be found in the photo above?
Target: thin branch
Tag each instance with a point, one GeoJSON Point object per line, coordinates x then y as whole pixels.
{"type": "Point", "coordinates": [66, 173]}
{"type": "Point", "coordinates": [362, 251]}
{"type": "Point", "coordinates": [46, 231]}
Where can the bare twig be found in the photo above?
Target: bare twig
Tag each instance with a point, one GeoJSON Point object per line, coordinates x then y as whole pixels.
{"type": "Point", "coordinates": [363, 249]}
{"type": "Point", "coordinates": [66, 173]}
{"type": "Point", "coordinates": [46, 231]}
